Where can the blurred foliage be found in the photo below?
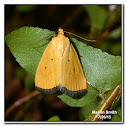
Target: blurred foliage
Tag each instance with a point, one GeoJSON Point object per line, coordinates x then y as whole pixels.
{"type": "Point", "coordinates": [84, 112]}
{"type": "Point", "coordinates": [117, 117]}
{"type": "Point", "coordinates": [29, 82]}
{"type": "Point", "coordinates": [100, 22]}
{"type": "Point", "coordinates": [117, 106]}
{"type": "Point", "coordinates": [25, 8]}
{"type": "Point", "coordinates": [115, 34]}
{"type": "Point", "coordinates": [98, 16]}
{"type": "Point", "coordinates": [20, 73]}
{"type": "Point", "coordinates": [54, 118]}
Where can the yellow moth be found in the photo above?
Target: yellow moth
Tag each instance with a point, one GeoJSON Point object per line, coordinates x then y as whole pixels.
{"type": "Point", "coordinates": [59, 69]}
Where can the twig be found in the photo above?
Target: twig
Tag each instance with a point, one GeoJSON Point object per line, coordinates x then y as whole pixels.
{"type": "Point", "coordinates": [20, 101]}
{"type": "Point", "coordinates": [105, 104]}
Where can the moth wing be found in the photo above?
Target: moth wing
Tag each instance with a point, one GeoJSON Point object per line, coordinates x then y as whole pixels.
{"type": "Point", "coordinates": [73, 81]}
{"type": "Point", "coordinates": [48, 71]}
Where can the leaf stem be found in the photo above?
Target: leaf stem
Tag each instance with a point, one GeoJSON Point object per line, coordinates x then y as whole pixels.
{"type": "Point", "coordinates": [105, 104]}
{"type": "Point", "coordinates": [20, 102]}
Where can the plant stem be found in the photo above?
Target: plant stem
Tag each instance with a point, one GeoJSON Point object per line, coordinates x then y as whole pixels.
{"type": "Point", "coordinates": [105, 104]}
{"type": "Point", "coordinates": [20, 102]}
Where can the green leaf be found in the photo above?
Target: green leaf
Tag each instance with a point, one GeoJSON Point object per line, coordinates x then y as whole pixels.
{"type": "Point", "coordinates": [119, 111]}
{"type": "Point", "coordinates": [117, 103]}
{"type": "Point", "coordinates": [116, 106]}
{"type": "Point", "coordinates": [117, 117]}
{"type": "Point", "coordinates": [102, 71]}
{"type": "Point", "coordinates": [98, 16]}
{"type": "Point", "coordinates": [54, 118]}
{"type": "Point", "coordinates": [84, 112]}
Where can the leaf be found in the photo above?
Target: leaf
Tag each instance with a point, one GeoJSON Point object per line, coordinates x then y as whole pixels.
{"type": "Point", "coordinates": [102, 71]}
{"type": "Point", "coordinates": [117, 117]}
{"type": "Point", "coordinates": [117, 103]}
{"type": "Point", "coordinates": [84, 112]}
{"type": "Point", "coordinates": [54, 118]}
{"type": "Point", "coordinates": [98, 16]}
{"type": "Point", "coordinates": [116, 106]}
{"type": "Point", "coordinates": [119, 111]}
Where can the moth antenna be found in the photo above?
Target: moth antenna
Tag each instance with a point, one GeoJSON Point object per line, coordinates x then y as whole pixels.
{"type": "Point", "coordinates": [80, 36]}
{"type": "Point", "coordinates": [45, 38]}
